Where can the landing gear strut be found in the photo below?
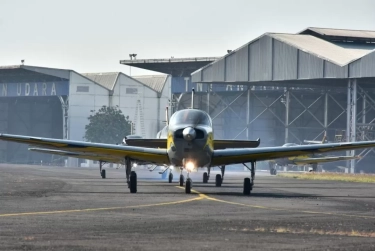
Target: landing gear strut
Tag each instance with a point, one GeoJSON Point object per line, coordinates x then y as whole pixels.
{"type": "Point", "coordinates": [131, 176]}
{"type": "Point", "coordinates": [102, 172]}
{"type": "Point", "coordinates": [314, 167]}
{"type": "Point", "coordinates": [248, 183]}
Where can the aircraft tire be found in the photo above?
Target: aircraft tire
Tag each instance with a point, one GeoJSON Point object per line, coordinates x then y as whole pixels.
{"type": "Point", "coordinates": [133, 182]}
{"type": "Point", "coordinates": [205, 177]}
{"type": "Point", "coordinates": [181, 180]}
{"type": "Point", "coordinates": [170, 177]}
{"type": "Point", "coordinates": [103, 174]}
{"type": "Point", "coordinates": [218, 180]}
{"type": "Point", "coordinates": [188, 186]}
{"type": "Point", "coordinates": [246, 186]}
{"type": "Point", "coordinates": [274, 172]}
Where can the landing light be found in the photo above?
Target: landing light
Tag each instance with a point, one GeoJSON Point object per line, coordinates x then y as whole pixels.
{"type": "Point", "coordinates": [171, 167]}
{"type": "Point", "coordinates": [135, 165]}
{"type": "Point", "coordinates": [190, 166]}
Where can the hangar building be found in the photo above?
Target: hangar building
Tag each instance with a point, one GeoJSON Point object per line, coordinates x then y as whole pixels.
{"type": "Point", "coordinates": [56, 103]}
{"type": "Point", "coordinates": [285, 88]}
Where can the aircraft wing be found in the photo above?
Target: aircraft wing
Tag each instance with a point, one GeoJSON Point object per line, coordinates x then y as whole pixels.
{"type": "Point", "coordinates": [157, 156]}
{"type": "Point", "coordinates": [223, 144]}
{"type": "Point", "coordinates": [234, 156]}
{"type": "Point", "coordinates": [151, 143]}
{"type": "Point", "coordinates": [218, 144]}
{"type": "Point", "coordinates": [305, 161]}
{"type": "Point", "coordinates": [97, 157]}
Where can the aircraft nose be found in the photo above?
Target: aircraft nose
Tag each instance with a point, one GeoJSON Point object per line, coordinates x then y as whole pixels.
{"type": "Point", "coordinates": [189, 133]}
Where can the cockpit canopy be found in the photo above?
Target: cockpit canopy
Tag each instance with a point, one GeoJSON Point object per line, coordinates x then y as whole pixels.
{"type": "Point", "coordinates": [191, 117]}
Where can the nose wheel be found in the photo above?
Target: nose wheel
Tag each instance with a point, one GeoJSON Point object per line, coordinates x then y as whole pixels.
{"type": "Point", "coordinates": [188, 185]}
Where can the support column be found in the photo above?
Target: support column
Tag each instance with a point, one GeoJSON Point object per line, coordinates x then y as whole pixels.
{"type": "Point", "coordinates": [353, 131]}
{"type": "Point", "coordinates": [364, 114]}
{"type": "Point", "coordinates": [248, 114]}
{"type": "Point", "coordinates": [325, 112]}
{"type": "Point", "coordinates": [348, 115]}
{"type": "Point", "coordinates": [287, 103]}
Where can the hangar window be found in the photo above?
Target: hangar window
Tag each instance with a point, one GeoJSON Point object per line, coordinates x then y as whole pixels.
{"type": "Point", "coordinates": [82, 88]}
{"type": "Point", "coordinates": [131, 91]}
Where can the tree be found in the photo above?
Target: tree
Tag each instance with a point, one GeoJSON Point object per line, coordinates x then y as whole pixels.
{"type": "Point", "coordinates": [108, 125]}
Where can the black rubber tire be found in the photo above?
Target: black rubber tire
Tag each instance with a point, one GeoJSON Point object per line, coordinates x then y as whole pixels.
{"type": "Point", "coordinates": [205, 177]}
{"type": "Point", "coordinates": [218, 180]}
{"type": "Point", "coordinates": [247, 186]}
{"type": "Point", "coordinates": [274, 172]}
{"type": "Point", "coordinates": [103, 174]}
{"type": "Point", "coordinates": [170, 177]}
{"type": "Point", "coordinates": [188, 186]}
{"type": "Point", "coordinates": [133, 182]}
{"type": "Point", "coordinates": [181, 180]}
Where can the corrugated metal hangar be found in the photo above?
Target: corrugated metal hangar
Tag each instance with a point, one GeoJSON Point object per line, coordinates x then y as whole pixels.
{"type": "Point", "coordinates": [287, 88]}
{"type": "Point", "coordinates": [56, 103]}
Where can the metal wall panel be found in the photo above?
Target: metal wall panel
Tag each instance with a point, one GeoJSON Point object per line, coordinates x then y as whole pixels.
{"type": "Point", "coordinates": [260, 64]}
{"type": "Point", "coordinates": [207, 73]}
{"type": "Point", "coordinates": [284, 61]}
{"type": "Point", "coordinates": [242, 64]}
{"type": "Point", "coordinates": [334, 71]}
{"type": "Point", "coordinates": [309, 66]}
{"type": "Point", "coordinates": [355, 69]}
{"type": "Point", "coordinates": [218, 70]}
{"type": "Point", "coordinates": [230, 67]}
{"type": "Point", "coordinates": [197, 76]}
{"type": "Point", "coordinates": [368, 65]}
{"type": "Point", "coordinates": [254, 59]}
{"type": "Point", "coordinates": [265, 48]}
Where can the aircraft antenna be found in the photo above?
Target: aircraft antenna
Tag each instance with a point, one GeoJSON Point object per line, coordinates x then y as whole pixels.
{"type": "Point", "coordinates": [192, 98]}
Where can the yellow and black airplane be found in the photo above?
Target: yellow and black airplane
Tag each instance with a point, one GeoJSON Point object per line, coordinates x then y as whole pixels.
{"type": "Point", "coordinates": [189, 144]}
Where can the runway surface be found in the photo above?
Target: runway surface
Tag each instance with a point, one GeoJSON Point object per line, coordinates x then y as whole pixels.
{"type": "Point", "coordinates": [57, 208]}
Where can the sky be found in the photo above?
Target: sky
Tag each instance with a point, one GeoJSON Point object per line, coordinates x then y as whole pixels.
{"type": "Point", "coordinates": [93, 36]}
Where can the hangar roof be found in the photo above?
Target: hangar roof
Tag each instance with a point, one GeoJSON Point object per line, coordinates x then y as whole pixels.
{"type": "Point", "coordinates": [181, 67]}
{"type": "Point", "coordinates": [335, 53]}
{"type": "Point", "coordinates": [105, 79]}
{"type": "Point", "coordinates": [306, 55]}
{"type": "Point", "coordinates": [16, 73]}
{"type": "Point", "coordinates": [343, 33]}
{"type": "Point", "coordinates": [108, 80]}
{"type": "Point", "coordinates": [155, 82]}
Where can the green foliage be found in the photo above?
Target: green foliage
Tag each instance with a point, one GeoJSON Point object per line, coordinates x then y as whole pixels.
{"type": "Point", "coordinates": [108, 125]}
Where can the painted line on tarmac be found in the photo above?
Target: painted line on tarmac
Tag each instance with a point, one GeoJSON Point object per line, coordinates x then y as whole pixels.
{"type": "Point", "coordinates": [100, 209]}
{"type": "Point", "coordinates": [204, 196]}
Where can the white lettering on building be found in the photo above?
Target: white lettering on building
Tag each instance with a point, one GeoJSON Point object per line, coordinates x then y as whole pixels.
{"type": "Point", "coordinates": [239, 87]}
{"type": "Point", "coordinates": [35, 93]}
{"type": "Point", "coordinates": [27, 89]}
{"type": "Point", "coordinates": [44, 89]}
{"type": "Point", "coordinates": [19, 89]}
{"type": "Point", "coordinates": [229, 88]}
{"type": "Point", "coordinates": [186, 83]}
{"type": "Point", "coordinates": [53, 91]}
{"type": "Point", "coordinates": [199, 87]}
{"type": "Point", "coordinates": [5, 90]}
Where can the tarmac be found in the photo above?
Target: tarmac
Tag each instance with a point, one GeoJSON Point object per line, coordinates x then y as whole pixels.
{"type": "Point", "coordinates": [59, 208]}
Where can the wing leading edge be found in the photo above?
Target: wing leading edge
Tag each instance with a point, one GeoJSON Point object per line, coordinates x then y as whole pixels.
{"type": "Point", "coordinates": [233, 156]}
{"type": "Point", "coordinates": [158, 156]}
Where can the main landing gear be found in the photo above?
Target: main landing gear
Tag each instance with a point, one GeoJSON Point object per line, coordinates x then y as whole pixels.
{"type": "Point", "coordinates": [206, 175]}
{"type": "Point", "coordinates": [131, 176]}
{"type": "Point", "coordinates": [182, 178]}
{"type": "Point", "coordinates": [102, 171]}
{"type": "Point", "coordinates": [248, 183]}
{"type": "Point", "coordinates": [219, 178]}
{"type": "Point", "coordinates": [272, 166]}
